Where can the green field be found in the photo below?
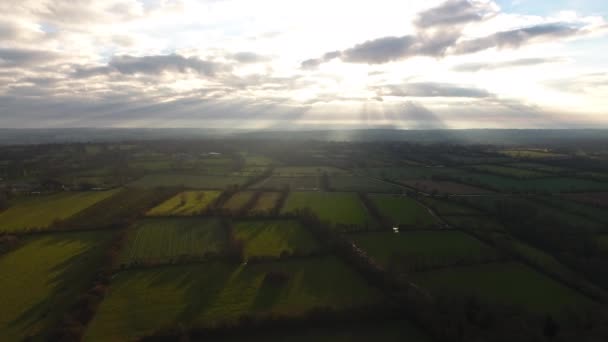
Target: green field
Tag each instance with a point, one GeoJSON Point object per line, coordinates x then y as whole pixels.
{"type": "Point", "coordinates": [42, 278]}
{"type": "Point", "coordinates": [403, 211]}
{"type": "Point", "coordinates": [274, 237]}
{"type": "Point", "coordinates": [409, 172]}
{"type": "Point", "coordinates": [474, 222]}
{"type": "Point", "coordinates": [238, 201]}
{"type": "Point", "coordinates": [423, 249]}
{"type": "Point", "coordinates": [266, 202]}
{"type": "Point", "coordinates": [164, 239]}
{"type": "Point", "coordinates": [602, 242]}
{"type": "Point", "coordinates": [531, 154]}
{"type": "Point", "coordinates": [362, 184]}
{"type": "Point", "coordinates": [294, 183]}
{"type": "Point", "coordinates": [140, 302]}
{"type": "Point", "coordinates": [188, 181]}
{"type": "Point", "coordinates": [510, 283]}
{"type": "Point", "coordinates": [335, 207]}
{"type": "Point", "coordinates": [443, 207]}
{"type": "Point", "coordinates": [549, 184]}
{"type": "Point", "coordinates": [185, 203]}
{"type": "Point", "coordinates": [41, 211]}
{"type": "Point", "coordinates": [508, 171]}
{"type": "Point", "coordinates": [296, 171]}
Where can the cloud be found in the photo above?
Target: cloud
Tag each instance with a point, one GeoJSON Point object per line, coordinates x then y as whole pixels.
{"type": "Point", "coordinates": [24, 57]}
{"type": "Point", "coordinates": [164, 63]}
{"type": "Point", "coordinates": [518, 37]}
{"type": "Point", "coordinates": [522, 62]}
{"type": "Point", "coordinates": [249, 57]}
{"type": "Point", "coordinates": [314, 63]}
{"type": "Point", "coordinates": [430, 89]}
{"type": "Point", "coordinates": [455, 12]}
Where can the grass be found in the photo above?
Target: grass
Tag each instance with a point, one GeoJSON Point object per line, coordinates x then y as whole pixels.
{"type": "Point", "coordinates": [474, 222]}
{"type": "Point", "coordinates": [238, 201]}
{"type": "Point", "coordinates": [294, 183]}
{"type": "Point", "coordinates": [163, 239]}
{"type": "Point", "coordinates": [140, 302]}
{"type": "Point", "coordinates": [361, 184]}
{"type": "Point", "coordinates": [409, 172]}
{"type": "Point", "coordinates": [274, 237]}
{"type": "Point", "coordinates": [403, 211]}
{"type": "Point", "coordinates": [42, 278]}
{"type": "Point", "coordinates": [266, 202]}
{"type": "Point", "coordinates": [185, 203]}
{"type": "Point", "coordinates": [443, 207]}
{"type": "Point", "coordinates": [549, 184]}
{"type": "Point", "coordinates": [510, 283]}
{"type": "Point", "coordinates": [423, 249]}
{"type": "Point", "coordinates": [41, 211]}
{"type": "Point", "coordinates": [602, 241]}
{"type": "Point", "coordinates": [443, 187]}
{"type": "Point", "coordinates": [188, 181]}
{"type": "Point", "coordinates": [531, 154]}
{"type": "Point", "coordinates": [335, 207]}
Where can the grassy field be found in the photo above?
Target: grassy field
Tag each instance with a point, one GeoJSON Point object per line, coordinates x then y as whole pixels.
{"type": "Point", "coordinates": [599, 199]}
{"type": "Point", "coordinates": [294, 183]}
{"type": "Point", "coordinates": [602, 241]}
{"type": "Point", "coordinates": [550, 184]}
{"type": "Point", "coordinates": [42, 278]}
{"type": "Point", "coordinates": [335, 207]}
{"type": "Point", "coordinates": [443, 187]}
{"type": "Point", "coordinates": [508, 171]}
{"type": "Point", "coordinates": [443, 207]}
{"type": "Point", "coordinates": [510, 283]}
{"type": "Point", "coordinates": [273, 237]}
{"type": "Point", "coordinates": [403, 211]}
{"type": "Point", "coordinates": [420, 249]}
{"type": "Point", "coordinates": [389, 331]}
{"type": "Point", "coordinates": [266, 202]}
{"type": "Point", "coordinates": [362, 184]}
{"type": "Point", "coordinates": [532, 154]}
{"type": "Point", "coordinates": [140, 302]}
{"type": "Point", "coordinates": [40, 211]}
{"type": "Point", "coordinates": [185, 203]}
{"type": "Point", "coordinates": [409, 172]}
{"type": "Point", "coordinates": [296, 171]}
{"type": "Point", "coordinates": [474, 222]}
{"type": "Point", "coordinates": [163, 239]}
{"type": "Point", "coordinates": [188, 181]}
{"type": "Point", "coordinates": [238, 201]}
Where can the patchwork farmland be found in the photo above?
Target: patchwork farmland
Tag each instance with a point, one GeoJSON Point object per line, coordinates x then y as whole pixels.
{"type": "Point", "coordinates": [236, 241]}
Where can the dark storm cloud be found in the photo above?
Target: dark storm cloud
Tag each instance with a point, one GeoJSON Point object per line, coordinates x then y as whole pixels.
{"type": "Point", "coordinates": [453, 12]}
{"type": "Point", "coordinates": [24, 57]}
{"type": "Point", "coordinates": [472, 67]}
{"type": "Point", "coordinates": [249, 57]}
{"type": "Point", "coordinates": [516, 38]}
{"type": "Point", "coordinates": [429, 89]}
{"type": "Point", "coordinates": [163, 63]}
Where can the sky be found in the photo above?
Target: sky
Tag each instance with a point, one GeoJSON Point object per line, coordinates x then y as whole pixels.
{"type": "Point", "coordinates": [276, 64]}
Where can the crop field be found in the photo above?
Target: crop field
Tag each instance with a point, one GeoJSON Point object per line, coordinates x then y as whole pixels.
{"type": "Point", "coordinates": [274, 237]}
{"type": "Point", "coordinates": [509, 283]}
{"type": "Point", "coordinates": [474, 222]}
{"type": "Point", "coordinates": [42, 210]}
{"type": "Point", "coordinates": [549, 184]}
{"type": "Point", "coordinates": [420, 250]}
{"type": "Point", "coordinates": [185, 203]}
{"type": "Point", "coordinates": [39, 280]}
{"type": "Point", "coordinates": [126, 204]}
{"type": "Point", "coordinates": [444, 187]}
{"type": "Point", "coordinates": [599, 199]}
{"type": "Point", "coordinates": [443, 207]}
{"type": "Point", "coordinates": [266, 202]}
{"type": "Point", "coordinates": [140, 302]}
{"type": "Point", "coordinates": [335, 207]}
{"type": "Point", "coordinates": [154, 165]}
{"type": "Point", "coordinates": [361, 184]}
{"type": "Point", "coordinates": [403, 211]}
{"type": "Point", "coordinates": [409, 172]}
{"type": "Point", "coordinates": [532, 154]}
{"type": "Point", "coordinates": [164, 239]}
{"type": "Point", "coordinates": [296, 171]}
{"type": "Point", "coordinates": [389, 331]}
{"type": "Point", "coordinates": [294, 183]}
{"type": "Point", "coordinates": [238, 200]}
{"type": "Point", "coordinates": [188, 181]}
{"type": "Point", "coordinates": [508, 171]}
